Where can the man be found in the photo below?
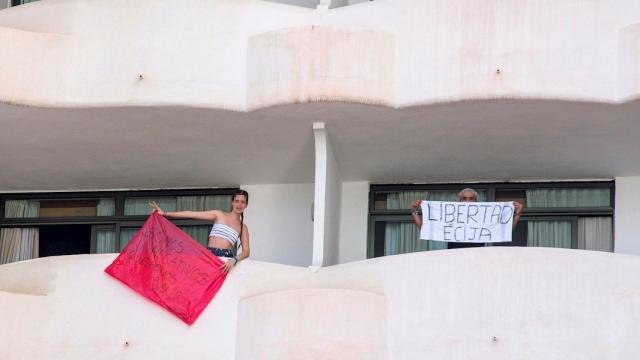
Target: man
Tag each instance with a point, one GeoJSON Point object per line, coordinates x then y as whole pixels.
{"type": "Point", "coordinates": [466, 195]}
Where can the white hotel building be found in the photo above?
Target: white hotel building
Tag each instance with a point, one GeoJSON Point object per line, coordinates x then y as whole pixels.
{"type": "Point", "coordinates": [334, 115]}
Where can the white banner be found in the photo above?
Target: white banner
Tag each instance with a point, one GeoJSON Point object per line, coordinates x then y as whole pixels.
{"type": "Point", "coordinates": [473, 222]}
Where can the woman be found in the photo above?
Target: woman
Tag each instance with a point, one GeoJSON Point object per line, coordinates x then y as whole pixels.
{"type": "Point", "coordinates": [227, 230]}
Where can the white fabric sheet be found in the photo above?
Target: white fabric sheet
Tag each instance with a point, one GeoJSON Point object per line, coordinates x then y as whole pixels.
{"type": "Point", "coordinates": [474, 222]}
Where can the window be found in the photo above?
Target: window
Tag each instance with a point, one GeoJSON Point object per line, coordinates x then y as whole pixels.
{"type": "Point", "coordinates": [21, 2]}
{"type": "Point", "coordinates": [49, 224]}
{"type": "Point", "coordinates": [562, 215]}
{"type": "Point", "coordinates": [59, 208]}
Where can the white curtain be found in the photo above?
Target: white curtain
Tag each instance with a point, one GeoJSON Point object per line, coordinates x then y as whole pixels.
{"type": "Point", "coordinates": [106, 207]}
{"type": "Point", "coordinates": [198, 233]}
{"type": "Point", "coordinates": [202, 203]}
{"type": "Point", "coordinates": [17, 244]}
{"type": "Point", "coordinates": [193, 203]}
{"type": "Point", "coordinates": [595, 233]}
{"type": "Point", "coordinates": [106, 241]}
{"type": "Point", "coordinates": [404, 237]}
{"type": "Point", "coordinates": [555, 234]}
{"type": "Point", "coordinates": [140, 206]}
{"type": "Point", "coordinates": [21, 208]}
{"type": "Point", "coordinates": [568, 197]}
{"type": "Point", "coordinates": [403, 199]}
{"type": "Point", "coordinates": [217, 202]}
{"type": "Point", "coordinates": [126, 234]}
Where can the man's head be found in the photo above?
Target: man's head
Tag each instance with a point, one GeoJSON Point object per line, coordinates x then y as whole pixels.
{"type": "Point", "coordinates": [468, 195]}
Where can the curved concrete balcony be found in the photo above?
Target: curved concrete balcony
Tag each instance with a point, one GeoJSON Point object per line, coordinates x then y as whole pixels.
{"type": "Point", "coordinates": [250, 54]}
{"type": "Point", "coordinates": [124, 77]}
{"type": "Point", "coordinates": [482, 303]}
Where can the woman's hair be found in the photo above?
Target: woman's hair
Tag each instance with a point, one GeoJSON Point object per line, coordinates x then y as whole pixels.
{"type": "Point", "coordinates": [240, 192]}
{"type": "Point", "coordinates": [244, 193]}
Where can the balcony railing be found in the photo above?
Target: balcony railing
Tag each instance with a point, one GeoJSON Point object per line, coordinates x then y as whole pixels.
{"type": "Point", "coordinates": [313, 4]}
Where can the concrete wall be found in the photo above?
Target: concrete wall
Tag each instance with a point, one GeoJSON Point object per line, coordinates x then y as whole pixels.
{"type": "Point", "coordinates": [354, 217]}
{"type": "Point", "coordinates": [481, 303]}
{"type": "Point", "coordinates": [424, 51]}
{"type": "Point", "coordinates": [320, 63]}
{"type": "Point", "coordinates": [629, 62]}
{"type": "Point", "coordinates": [627, 213]}
{"type": "Point", "coordinates": [279, 220]}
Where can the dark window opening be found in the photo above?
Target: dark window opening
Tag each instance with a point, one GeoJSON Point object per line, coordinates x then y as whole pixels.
{"type": "Point", "coordinates": [64, 240]}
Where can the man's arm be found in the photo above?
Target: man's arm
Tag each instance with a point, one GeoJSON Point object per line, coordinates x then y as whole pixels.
{"type": "Point", "coordinates": [417, 218]}
{"type": "Point", "coordinates": [517, 208]}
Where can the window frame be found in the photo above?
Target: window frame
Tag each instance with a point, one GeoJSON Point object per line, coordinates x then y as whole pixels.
{"type": "Point", "coordinates": [491, 188]}
{"type": "Point", "coordinates": [118, 220]}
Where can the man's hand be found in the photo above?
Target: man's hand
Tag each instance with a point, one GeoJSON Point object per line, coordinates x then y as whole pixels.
{"type": "Point", "coordinates": [417, 219]}
{"type": "Point", "coordinates": [517, 211]}
{"type": "Point", "coordinates": [517, 207]}
{"type": "Point", "coordinates": [416, 204]}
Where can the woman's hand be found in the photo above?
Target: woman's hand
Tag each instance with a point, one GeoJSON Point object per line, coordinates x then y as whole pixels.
{"type": "Point", "coordinates": [228, 265]}
{"type": "Point", "coordinates": [157, 208]}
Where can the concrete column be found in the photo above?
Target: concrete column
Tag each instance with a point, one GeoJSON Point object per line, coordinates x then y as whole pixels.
{"type": "Point", "coordinates": [627, 213]}
{"type": "Point", "coordinates": [327, 194]}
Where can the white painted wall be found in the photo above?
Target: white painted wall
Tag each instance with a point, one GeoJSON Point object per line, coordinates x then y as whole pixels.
{"type": "Point", "coordinates": [354, 216]}
{"type": "Point", "coordinates": [279, 220]}
{"type": "Point", "coordinates": [629, 62]}
{"type": "Point", "coordinates": [4, 4]}
{"type": "Point", "coordinates": [439, 51]}
{"type": "Point", "coordinates": [438, 305]}
{"type": "Point", "coordinates": [348, 324]}
{"type": "Point", "coordinates": [627, 215]}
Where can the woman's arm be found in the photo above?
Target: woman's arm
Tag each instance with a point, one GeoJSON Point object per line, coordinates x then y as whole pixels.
{"type": "Point", "coordinates": [211, 215]}
{"type": "Point", "coordinates": [244, 243]}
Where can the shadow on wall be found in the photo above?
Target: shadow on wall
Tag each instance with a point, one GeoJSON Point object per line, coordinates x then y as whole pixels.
{"type": "Point", "coordinates": [304, 3]}
{"type": "Point", "coordinates": [312, 324]}
{"type": "Point", "coordinates": [312, 4]}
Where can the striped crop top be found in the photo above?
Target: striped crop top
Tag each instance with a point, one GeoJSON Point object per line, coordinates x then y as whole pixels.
{"type": "Point", "coordinates": [225, 232]}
